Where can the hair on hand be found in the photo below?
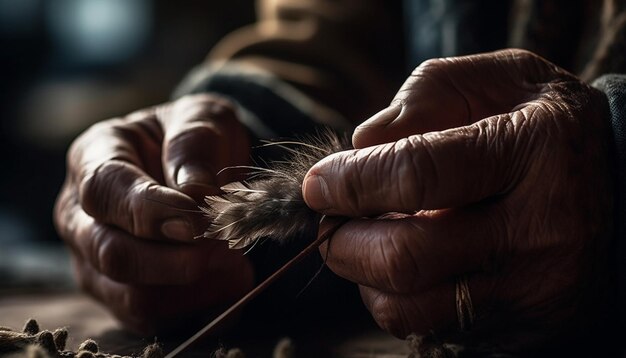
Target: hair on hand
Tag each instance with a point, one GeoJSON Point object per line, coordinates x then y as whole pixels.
{"type": "Point", "coordinates": [270, 203]}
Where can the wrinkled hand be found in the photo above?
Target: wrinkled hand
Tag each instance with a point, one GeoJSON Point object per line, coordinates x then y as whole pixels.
{"type": "Point", "coordinates": [129, 211]}
{"type": "Point", "coordinates": [497, 167]}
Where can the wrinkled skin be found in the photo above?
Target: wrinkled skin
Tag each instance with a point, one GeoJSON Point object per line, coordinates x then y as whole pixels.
{"type": "Point", "coordinates": [497, 167]}
{"type": "Point", "coordinates": [129, 211]}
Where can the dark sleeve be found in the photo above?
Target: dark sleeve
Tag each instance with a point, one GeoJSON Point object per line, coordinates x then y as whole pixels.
{"type": "Point", "coordinates": [268, 106]}
{"type": "Point", "coordinates": [614, 86]}
{"type": "Point", "coordinates": [305, 62]}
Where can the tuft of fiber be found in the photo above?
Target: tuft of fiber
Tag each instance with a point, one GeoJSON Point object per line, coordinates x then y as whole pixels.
{"type": "Point", "coordinates": [220, 353]}
{"type": "Point", "coordinates": [228, 353]}
{"type": "Point", "coordinates": [45, 339]}
{"type": "Point", "coordinates": [270, 202]}
{"type": "Point", "coordinates": [284, 349]}
{"type": "Point", "coordinates": [235, 353]}
{"type": "Point", "coordinates": [152, 351]}
{"type": "Point", "coordinates": [60, 338]}
{"type": "Point", "coordinates": [89, 345]}
{"type": "Point", "coordinates": [31, 327]}
{"type": "Point", "coordinates": [428, 347]}
{"type": "Point", "coordinates": [33, 343]}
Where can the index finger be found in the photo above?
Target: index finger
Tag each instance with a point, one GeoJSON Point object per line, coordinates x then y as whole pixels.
{"type": "Point", "coordinates": [202, 135]}
{"type": "Point", "coordinates": [108, 169]}
{"type": "Point", "coordinates": [451, 92]}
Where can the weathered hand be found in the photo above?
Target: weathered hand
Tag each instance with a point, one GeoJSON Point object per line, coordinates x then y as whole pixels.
{"type": "Point", "coordinates": [499, 165]}
{"type": "Point", "coordinates": [128, 213]}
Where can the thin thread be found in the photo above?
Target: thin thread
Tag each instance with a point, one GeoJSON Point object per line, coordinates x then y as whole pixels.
{"type": "Point", "coordinates": [319, 271]}
{"type": "Point", "coordinates": [217, 322]}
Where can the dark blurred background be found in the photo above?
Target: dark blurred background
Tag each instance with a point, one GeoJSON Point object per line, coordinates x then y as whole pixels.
{"type": "Point", "coordinates": [67, 64]}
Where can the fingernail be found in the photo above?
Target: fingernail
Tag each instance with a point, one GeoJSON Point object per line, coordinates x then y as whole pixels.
{"type": "Point", "coordinates": [177, 229]}
{"type": "Point", "coordinates": [192, 174]}
{"type": "Point", "coordinates": [316, 194]}
{"type": "Point", "coordinates": [383, 117]}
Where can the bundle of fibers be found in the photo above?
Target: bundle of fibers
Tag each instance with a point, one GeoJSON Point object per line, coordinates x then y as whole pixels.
{"type": "Point", "coordinates": [269, 204]}
{"type": "Point", "coordinates": [32, 342]}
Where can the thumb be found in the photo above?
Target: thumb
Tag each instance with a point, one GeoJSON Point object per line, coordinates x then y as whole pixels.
{"type": "Point", "coordinates": [201, 136]}
{"type": "Point", "coordinates": [422, 172]}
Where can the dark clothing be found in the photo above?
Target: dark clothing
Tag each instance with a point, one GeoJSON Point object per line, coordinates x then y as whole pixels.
{"type": "Point", "coordinates": [340, 61]}
{"type": "Point", "coordinates": [614, 86]}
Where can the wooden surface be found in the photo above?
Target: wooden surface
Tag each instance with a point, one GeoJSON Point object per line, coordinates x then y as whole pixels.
{"type": "Point", "coordinates": [84, 319]}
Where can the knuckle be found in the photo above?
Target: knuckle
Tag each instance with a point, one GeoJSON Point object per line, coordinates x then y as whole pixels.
{"type": "Point", "coordinates": [193, 134]}
{"type": "Point", "coordinates": [145, 115]}
{"type": "Point", "coordinates": [431, 66]}
{"type": "Point", "coordinates": [495, 136]}
{"type": "Point", "coordinates": [82, 143]}
{"type": "Point", "coordinates": [95, 189]}
{"type": "Point", "coordinates": [204, 107]}
{"type": "Point", "coordinates": [96, 131]}
{"type": "Point", "coordinates": [62, 209]}
{"type": "Point", "coordinates": [431, 71]}
{"type": "Point", "coordinates": [89, 190]}
{"type": "Point", "coordinates": [519, 54]}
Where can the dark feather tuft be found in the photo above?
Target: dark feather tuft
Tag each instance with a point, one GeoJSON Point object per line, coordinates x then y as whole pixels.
{"type": "Point", "coordinates": [270, 203]}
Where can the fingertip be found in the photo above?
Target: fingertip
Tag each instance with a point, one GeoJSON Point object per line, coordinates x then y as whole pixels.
{"type": "Point", "coordinates": [178, 229]}
{"type": "Point", "coordinates": [316, 193]}
{"type": "Point", "coordinates": [371, 131]}
{"type": "Point", "coordinates": [192, 174]}
{"type": "Point", "coordinates": [196, 181]}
